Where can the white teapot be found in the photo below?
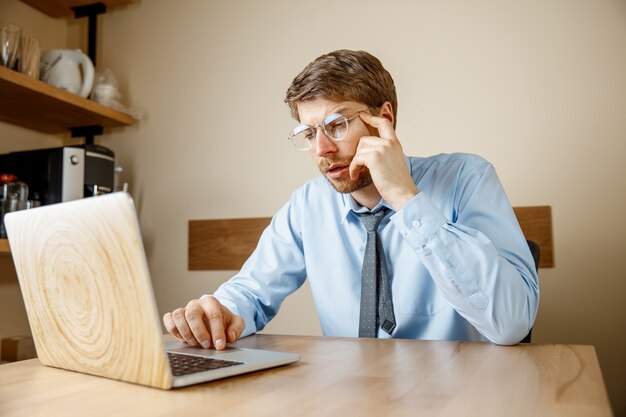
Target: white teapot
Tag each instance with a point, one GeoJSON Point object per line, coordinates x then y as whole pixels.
{"type": "Point", "coordinates": [60, 67]}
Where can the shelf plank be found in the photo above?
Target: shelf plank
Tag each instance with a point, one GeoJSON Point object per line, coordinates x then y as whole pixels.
{"type": "Point", "coordinates": [4, 246]}
{"type": "Point", "coordinates": [30, 103]}
{"type": "Point", "coordinates": [63, 8]}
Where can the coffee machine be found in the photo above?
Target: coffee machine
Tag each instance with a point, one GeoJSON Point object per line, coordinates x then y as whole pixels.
{"type": "Point", "coordinates": [62, 174]}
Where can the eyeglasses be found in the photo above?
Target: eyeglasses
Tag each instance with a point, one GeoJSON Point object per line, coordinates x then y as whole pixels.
{"type": "Point", "coordinates": [334, 126]}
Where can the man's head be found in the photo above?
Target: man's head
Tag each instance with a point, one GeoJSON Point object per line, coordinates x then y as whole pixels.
{"type": "Point", "coordinates": [344, 75]}
{"type": "Point", "coordinates": [345, 83]}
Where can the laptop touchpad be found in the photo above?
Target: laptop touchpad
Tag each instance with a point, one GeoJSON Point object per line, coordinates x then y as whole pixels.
{"type": "Point", "coordinates": [180, 347]}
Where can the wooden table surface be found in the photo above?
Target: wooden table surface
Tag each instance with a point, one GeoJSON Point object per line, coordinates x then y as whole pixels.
{"type": "Point", "coordinates": [340, 377]}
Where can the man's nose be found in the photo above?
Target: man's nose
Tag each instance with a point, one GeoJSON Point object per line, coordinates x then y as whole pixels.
{"type": "Point", "coordinates": [323, 145]}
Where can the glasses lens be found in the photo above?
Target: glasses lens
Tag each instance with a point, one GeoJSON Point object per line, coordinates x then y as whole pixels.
{"type": "Point", "coordinates": [336, 126]}
{"type": "Point", "coordinates": [302, 136]}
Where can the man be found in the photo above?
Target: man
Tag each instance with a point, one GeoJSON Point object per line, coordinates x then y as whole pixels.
{"type": "Point", "coordinates": [393, 246]}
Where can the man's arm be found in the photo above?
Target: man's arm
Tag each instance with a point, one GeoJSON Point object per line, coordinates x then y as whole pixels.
{"type": "Point", "coordinates": [249, 300]}
{"type": "Point", "coordinates": [275, 269]}
{"type": "Point", "coordinates": [479, 260]}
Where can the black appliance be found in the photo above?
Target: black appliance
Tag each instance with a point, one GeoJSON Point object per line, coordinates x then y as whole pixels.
{"type": "Point", "coordinates": [62, 174]}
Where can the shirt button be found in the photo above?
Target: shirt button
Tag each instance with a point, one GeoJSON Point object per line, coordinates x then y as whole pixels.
{"type": "Point", "coordinates": [404, 232]}
{"type": "Point", "coordinates": [416, 224]}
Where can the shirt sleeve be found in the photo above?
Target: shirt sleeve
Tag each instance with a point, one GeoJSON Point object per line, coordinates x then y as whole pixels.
{"type": "Point", "coordinates": [479, 259]}
{"type": "Point", "coordinates": [275, 269]}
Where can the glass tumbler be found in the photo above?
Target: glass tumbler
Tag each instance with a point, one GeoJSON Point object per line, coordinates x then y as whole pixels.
{"type": "Point", "coordinates": [9, 43]}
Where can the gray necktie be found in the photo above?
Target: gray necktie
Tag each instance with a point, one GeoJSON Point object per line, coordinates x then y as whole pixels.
{"type": "Point", "coordinates": [376, 303]}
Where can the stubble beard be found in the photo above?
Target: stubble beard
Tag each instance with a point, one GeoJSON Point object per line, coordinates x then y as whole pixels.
{"type": "Point", "coordinates": [346, 186]}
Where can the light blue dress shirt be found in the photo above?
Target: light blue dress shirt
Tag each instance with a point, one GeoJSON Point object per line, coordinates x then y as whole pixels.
{"type": "Point", "coordinates": [459, 264]}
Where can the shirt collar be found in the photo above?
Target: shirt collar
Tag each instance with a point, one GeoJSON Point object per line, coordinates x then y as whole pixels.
{"type": "Point", "coordinates": [350, 205]}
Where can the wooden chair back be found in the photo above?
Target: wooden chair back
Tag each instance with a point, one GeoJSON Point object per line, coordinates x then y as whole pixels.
{"type": "Point", "coordinates": [225, 244]}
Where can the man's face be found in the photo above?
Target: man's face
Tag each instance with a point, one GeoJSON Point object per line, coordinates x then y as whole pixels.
{"type": "Point", "coordinates": [333, 158]}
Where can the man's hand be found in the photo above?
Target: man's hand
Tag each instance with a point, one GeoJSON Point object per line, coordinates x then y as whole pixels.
{"type": "Point", "coordinates": [384, 158]}
{"type": "Point", "coordinates": [204, 322]}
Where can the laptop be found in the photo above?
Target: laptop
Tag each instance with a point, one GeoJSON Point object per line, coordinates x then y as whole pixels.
{"type": "Point", "coordinates": [84, 277]}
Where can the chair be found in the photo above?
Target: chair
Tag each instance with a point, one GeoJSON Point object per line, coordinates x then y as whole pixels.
{"type": "Point", "coordinates": [225, 244]}
{"type": "Point", "coordinates": [535, 250]}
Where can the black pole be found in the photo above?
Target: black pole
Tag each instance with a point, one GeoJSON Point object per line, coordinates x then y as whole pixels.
{"type": "Point", "coordinates": [91, 11]}
{"type": "Point", "coordinates": [91, 38]}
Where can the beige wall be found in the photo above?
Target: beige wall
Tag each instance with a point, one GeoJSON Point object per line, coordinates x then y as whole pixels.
{"type": "Point", "coordinates": [51, 33]}
{"type": "Point", "coordinates": [536, 87]}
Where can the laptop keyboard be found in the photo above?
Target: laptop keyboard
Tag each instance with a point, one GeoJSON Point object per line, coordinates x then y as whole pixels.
{"type": "Point", "coordinates": [187, 364]}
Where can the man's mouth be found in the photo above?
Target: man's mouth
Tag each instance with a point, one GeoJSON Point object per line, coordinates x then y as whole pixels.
{"type": "Point", "coordinates": [337, 170]}
{"type": "Point", "coordinates": [336, 167]}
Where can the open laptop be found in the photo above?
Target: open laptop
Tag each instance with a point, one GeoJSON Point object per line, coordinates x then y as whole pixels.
{"type": "Point", "coordinates": [88, 295]}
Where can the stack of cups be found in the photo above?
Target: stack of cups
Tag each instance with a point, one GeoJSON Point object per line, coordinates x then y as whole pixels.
{"type": "Point", "coordinates": [30, 52]}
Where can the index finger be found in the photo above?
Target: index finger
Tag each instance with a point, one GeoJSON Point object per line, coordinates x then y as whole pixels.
{"type": "Point", "coordinates": [385, 129]}
{"type": "Point", "coordinates": [213, 313]}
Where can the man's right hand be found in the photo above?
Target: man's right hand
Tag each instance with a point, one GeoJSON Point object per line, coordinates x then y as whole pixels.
{"type": "Point", "coordinates": [204, 322]}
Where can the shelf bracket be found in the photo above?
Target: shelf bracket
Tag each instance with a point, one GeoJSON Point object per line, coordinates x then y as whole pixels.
{"type": "Point", "coordinates": [91, 11]}
{"type": "Point", "coordinates": [88, 132]}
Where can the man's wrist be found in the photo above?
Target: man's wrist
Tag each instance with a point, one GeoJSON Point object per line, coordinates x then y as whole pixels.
{"type": "Point", "coordinates": [398, 202]}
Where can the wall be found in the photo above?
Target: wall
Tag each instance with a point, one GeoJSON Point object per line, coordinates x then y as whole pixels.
{"type": "Point", "coordinates": [536, 87]}
{"type": "Point", "coordinates": [51, 33]}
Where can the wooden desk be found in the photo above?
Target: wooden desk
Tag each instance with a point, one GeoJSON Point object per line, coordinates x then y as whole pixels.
{"type": "Point", "coordinates": [340, 377]}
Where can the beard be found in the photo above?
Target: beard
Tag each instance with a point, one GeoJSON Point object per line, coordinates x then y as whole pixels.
{"type": "Point", "coordinates": [345, 185]}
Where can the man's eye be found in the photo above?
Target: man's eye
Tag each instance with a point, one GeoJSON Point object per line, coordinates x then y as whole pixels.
{"type": "Point", "coordinates": [337, 128]}
{"type": "Point", "coordinates": [336, 124]}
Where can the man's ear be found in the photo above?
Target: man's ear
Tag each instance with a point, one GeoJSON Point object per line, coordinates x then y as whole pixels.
{"type": "Point", "coordinates": [386, 111]}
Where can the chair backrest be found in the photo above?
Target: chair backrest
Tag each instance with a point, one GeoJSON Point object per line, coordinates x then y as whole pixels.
{"type": "Point", "coordinates": [225, 244]}
{"type": "Point", "coordinates": [536, 224]}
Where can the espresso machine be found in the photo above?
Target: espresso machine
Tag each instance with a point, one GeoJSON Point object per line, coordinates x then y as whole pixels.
{"type": "Point", "coordinates": [62, 174]}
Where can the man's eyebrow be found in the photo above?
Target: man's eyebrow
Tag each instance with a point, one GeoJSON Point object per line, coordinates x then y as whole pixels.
{"type": "Point", "coordinates": [339, 109]}
{"type": "Point", "coordinates": [342, 107]}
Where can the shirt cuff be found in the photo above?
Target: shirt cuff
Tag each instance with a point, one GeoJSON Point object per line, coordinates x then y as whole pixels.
{"type": "Point", "coordinates": [418, 221]}
{"type": "Point", "coordinates": [250, 325]}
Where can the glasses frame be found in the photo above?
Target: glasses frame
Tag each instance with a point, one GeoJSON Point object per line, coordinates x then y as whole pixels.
{"type": "Point", "coordinates": [322, 125]}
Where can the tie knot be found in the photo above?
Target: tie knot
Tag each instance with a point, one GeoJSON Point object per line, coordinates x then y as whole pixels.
{"type": "Point", "coordinates": [372, 220]}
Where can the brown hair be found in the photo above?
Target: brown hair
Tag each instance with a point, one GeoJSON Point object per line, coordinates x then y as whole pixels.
{"type": "Point", "coordinates": [343, 75]}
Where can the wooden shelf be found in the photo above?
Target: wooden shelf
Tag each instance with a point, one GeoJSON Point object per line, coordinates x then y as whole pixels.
{"type": "Point", "coordinates": [30, 103]}
{"type": "Point", "coordinates": [4, 246]}
{"type": "Point", "coordinates": [63, 8]}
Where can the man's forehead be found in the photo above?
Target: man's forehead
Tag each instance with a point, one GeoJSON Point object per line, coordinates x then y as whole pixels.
{"type": "Point", "coordinates": [313, 111]}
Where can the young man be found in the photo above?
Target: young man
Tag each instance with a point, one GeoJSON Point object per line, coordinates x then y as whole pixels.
{"type": "Point", "coordinates": [393, 246]}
